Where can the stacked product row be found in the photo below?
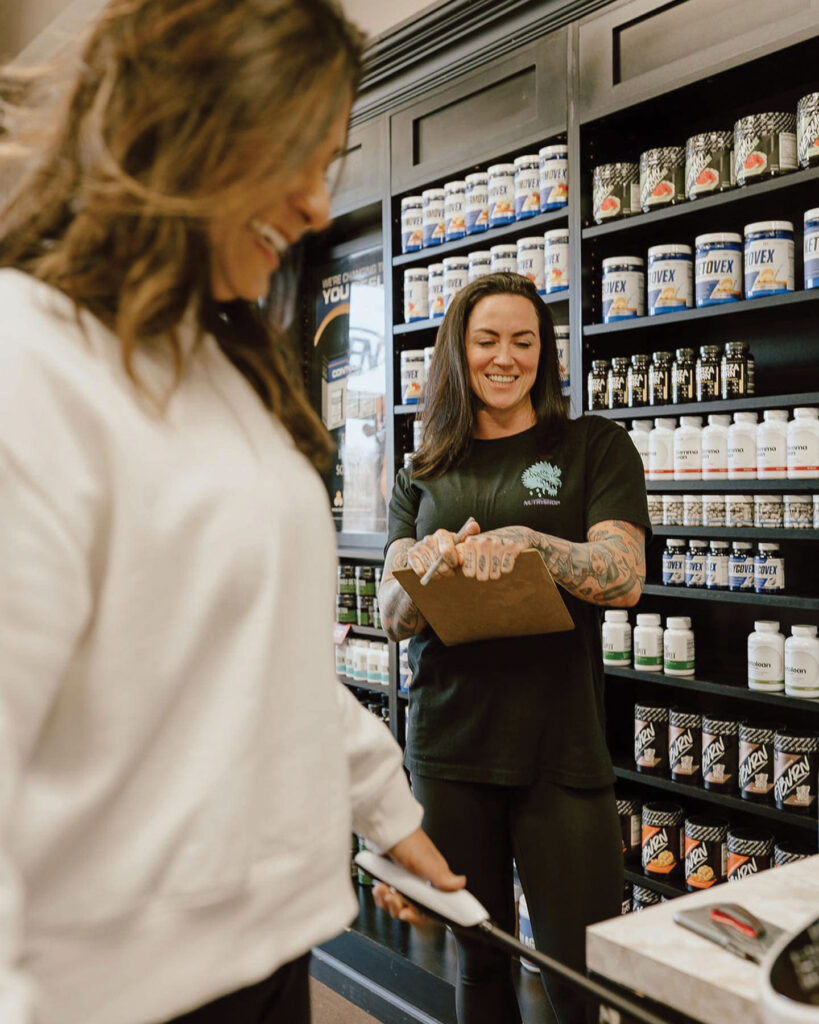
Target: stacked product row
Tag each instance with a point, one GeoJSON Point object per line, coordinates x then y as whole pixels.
{"type": "Point", "coordinates": [532, 183]}
{"type": "Point", "coordinates": [760, 146]}
{"type": "Point", "coordinates": [544, 259]}
{"type": "Point", "coordinates": [356, 596]}
{"type": "Point", "coordinates": [745, 449]}
{"type": "Point", "coordinates": [735, 511]}
{"type": "Point", "coordinates": [665, 377]}
{"type": "Point", "coordinates": [708, 564]}
{"type": "Point", "coordinates": [721, 269]}
{"type": "Point", "coordinates": [360, 662]}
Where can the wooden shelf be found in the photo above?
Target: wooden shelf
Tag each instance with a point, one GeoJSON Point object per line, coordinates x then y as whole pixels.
{"type": "Point", "coordinates": [720, 405]}
{"type": "Point", "coordinates": [733, 597]}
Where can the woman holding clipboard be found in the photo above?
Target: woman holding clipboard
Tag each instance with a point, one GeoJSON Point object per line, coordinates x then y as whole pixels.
{"type": "Point", "coordinates": [506, 739]}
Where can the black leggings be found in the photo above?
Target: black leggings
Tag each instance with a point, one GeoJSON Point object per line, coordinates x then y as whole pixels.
{"type": "Point", "coordinates": [568, 850]}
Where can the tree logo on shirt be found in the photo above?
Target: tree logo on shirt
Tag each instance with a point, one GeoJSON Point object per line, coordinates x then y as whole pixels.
{"type": "Point", "coordinates": [541, 479]}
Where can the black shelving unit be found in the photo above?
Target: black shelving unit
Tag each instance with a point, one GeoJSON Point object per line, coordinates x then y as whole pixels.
{"type": "Point", "coordinates": [735, 533]}
{"type": "Point", "coordinates": [369, 632]}
{"type": "Point", "coordinates": [663, 888]}
{"type": "Point", "coordinates": [770, 602]}
{"type": "Point", "coordinates": [356, 684]}
{"type": "Point", "coordinates": [716, 406]}
{"type": "Point", "coordinates": [752, 486]}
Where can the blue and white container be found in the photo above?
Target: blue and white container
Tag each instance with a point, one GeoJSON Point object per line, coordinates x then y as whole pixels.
{"type": "Point", "coordinates": [670, 279]}
{"type": "Point", "coordinates": [741, 566]}
{"type": "Point", "coordinates": [434, 216]}
{"type": "Point", "coordinates": [454, 210]}
{"type": "Point", "coordinates": [480, 264]}
{"type": "Point", "coordinates": [718, 268]}
{"type": "Point", "coordinates": [501, 194]}
{"type": "Point", "coordinates": [769, 570]}
{"type": "Point", "coordinates": [768, 258]}
{"type": "Point", "coordinates": [504, 259]}
{"type": "Point", "coordinates": [435, 289]}
{"type": "Point", "coordinates": [527, 186]}
{"type": "Point", "coordinates": [563, 357]}
{"type": "Point", "coordinates": [477, 202]}
{"type": "Point", "coordinates": [456, 276]}
{"type": "Point", "coordinates": [673, 563]}
{"type": "Point", "coordinates": [530, 261]}
{"type": "Point", "coordinates": [554, 177]}
{"type": "Point", "coordinates": [556, 260]}
{"type": "Point", "coordinates": [623, 292]}
{"type": "Point", "coordinates": [412, 376]}
{"type": "Point", "coordinates": [412, 223]}
{"type": "Point", "coordinates": [811, 248]}
{"type": "Point", "coordinates": [416, 294]}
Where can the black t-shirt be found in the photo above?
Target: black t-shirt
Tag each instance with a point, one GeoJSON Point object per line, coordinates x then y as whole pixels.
{"type": "Point", "coordinates": [506, 711]}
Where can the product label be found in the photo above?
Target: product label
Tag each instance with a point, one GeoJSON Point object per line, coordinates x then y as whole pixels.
{"type": "Point", "coordinates": [706, 172]}
{"type": "Point", "coordinates": [660, 186]}
{"type": "Point", "coordinates": [718, 277]}
{"type": "Point", "coordinates": [795, 780]}
{"type": "Point", "coordinates": [740, 866]}
{"type": "Point", "coordinates": [556, 272]}
{"type": "Point", "coordinates": [683, 755]}
{"type": "Point", "coordinates": [436, 295]}
{"type": "Point", "coordinates": [716, 752]}
{"type": "Point", "coordinates": [801, 673]}
{"type": "Point", "coordinates": [648, 751]}
{"type": "Point", "coordinates": [699, 873]}
{"type": "Point", "coordinates": [648, 655]}
{"type": "Point", "coordinates": [554, 187]}
{"type": "Point", "coordinates": [755, 769]}
{"type": "Point", "coordinates": [716, 571]}
{"type": "Point", "coordinates": [661, 849]}
{"type": "Point", "coordinates": [670, 284]}
{"type": "Point", "coordinates": [768, 267]}
{"type": "Point", "coordinates": [687, 460]}
{"type": "Point", "coordinates": [563, 357]}
{"type": "Point", "coordinates": [673, 570]}
{"type": "Point", "coordinates": [771, 454]}
{"type": "Point", "coordinates": [434, 223]}
{"type": "Point", "coordinates": [412, 379]}
{"type": "Point", "coordinates": [742, 454]}
{"type": "Point", "coordinates": [622, 295]}
{"type": "Point", "coordinates": [769, 575]}
{"type": "Point", "coordinates": [803, 449]}
{"type": "Point", "coordinates": [527, 192]}
{"type": "Point", "coordinates": [412, 228]}
{"type": "Point", "coordinates": [707, 378]}
{"type": "Point", "coordinates": [477, 208]}
{"type": "Point", "coordinates": [455, 215]}
{"type": "Point", "coordinates": [531, 265]}
{"type": "Point", "coordinates": [416, 299]}
{"type": "Point", "coordinates": [695, 570]}
{"type": "Point", "coordinates": [740, 572]}
{"type": "Point", "coordinates": [765, 665]}
{"type": "Point", "coordinates": [811, 255]}
{"type": "Point", "coordinates": [660, 462]}
{"type": "Point", "coordinates": [501, 200]}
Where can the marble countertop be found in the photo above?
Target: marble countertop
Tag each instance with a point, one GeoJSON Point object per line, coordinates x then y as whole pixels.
{"type": "Point", "coordinates": [651, 954]}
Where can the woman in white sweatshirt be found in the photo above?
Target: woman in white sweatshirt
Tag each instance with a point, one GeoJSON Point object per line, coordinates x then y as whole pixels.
{"type": "Point", "coordinates": [179, 770]}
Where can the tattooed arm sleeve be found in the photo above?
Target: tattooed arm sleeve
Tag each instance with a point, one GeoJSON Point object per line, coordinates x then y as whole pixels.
{"type": "Point", "coordinates": [399, 616]}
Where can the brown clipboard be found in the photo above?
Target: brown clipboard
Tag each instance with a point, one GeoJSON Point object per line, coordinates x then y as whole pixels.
{"type": "Point", "coordinates": [524, 602]}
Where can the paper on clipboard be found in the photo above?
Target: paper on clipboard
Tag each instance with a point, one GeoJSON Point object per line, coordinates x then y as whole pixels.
{"type": "Point", "coordinates": [524, 602]}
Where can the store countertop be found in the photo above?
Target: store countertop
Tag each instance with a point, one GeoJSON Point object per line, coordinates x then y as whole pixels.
{"type": "Point", "coordinates": [649, 953]}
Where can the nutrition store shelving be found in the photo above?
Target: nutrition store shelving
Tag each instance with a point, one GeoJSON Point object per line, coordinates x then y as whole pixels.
{"type": "Point", "coordinates": [734, 533]}
{"type": "Point", "coordinates": [663, 888]}
{"type": "Point", "coordinates": [369, 687]}
{"type": "Point", "coordinates": [808, 484]}
{"type": "Point", "coordinates": [417, 326]}
{"type": "Point", "coordinates": [719, 405]}
{"type": "Point", "coordinates": [770, 602]}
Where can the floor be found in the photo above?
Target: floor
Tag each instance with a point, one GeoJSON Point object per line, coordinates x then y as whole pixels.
{"type": "Point", "coordinates": [331, 1008]}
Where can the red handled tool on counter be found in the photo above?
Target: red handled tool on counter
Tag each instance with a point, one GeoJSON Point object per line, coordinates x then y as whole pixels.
{"type": "Point", "coordinates": [733, 927]}
{"type": "Point", "coordinates": [463, 912]}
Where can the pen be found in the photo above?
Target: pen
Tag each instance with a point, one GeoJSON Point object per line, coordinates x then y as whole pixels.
{"type": "Point", "coordinates": [459, 536]}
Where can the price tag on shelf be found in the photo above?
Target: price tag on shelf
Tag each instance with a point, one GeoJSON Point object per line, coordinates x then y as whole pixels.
{"type": "Point", "coordinates": [340, 631]}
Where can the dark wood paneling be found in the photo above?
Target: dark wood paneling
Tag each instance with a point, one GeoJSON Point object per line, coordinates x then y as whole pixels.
{"type": "Point", "coordinates": [511, 102]}
{"type": "Point", "coordinates": [362, 180]}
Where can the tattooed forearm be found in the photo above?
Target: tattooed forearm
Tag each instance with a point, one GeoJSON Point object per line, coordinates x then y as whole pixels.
{"type": "Point", "coordinates": [399, 616]}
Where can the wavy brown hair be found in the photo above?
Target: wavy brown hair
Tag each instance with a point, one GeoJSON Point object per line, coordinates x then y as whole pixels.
{"type": "Point", "coordinates": [180, 109]}
{"type": "Point", "coordinates": [450, 404]}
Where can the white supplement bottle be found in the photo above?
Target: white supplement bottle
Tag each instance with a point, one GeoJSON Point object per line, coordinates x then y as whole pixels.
{"type": "Point", "coordinates": [661, 449]}
{"type": "Point", "coordinates": [715, 447]}
{"type": "Point", "coordinates": [648, 643]}
{"type": "Point", "coordinates": [640, 429]}
{"type": "Point", "coordinates": [678, 647]}
{"type": "Point", "coordinates": [766, 657]}
{"type": "Point", "coordinates": [616, 639]}
{"type": "Point", "coordinates": [772, 445]}
{"type": "Point", "coordinates": [688, 449]}
{"type": "Point", "coordinates": [742, 447]}
{"type": "Point", "coordinates": [802, 663]}
{"type": "Point", "coordinates": [803, 444]}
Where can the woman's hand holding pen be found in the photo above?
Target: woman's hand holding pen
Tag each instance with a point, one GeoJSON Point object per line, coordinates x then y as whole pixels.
{"type": "Point", "coordinates": [440, 547]}
{"type": "Point", "coordinates": [488, 556]}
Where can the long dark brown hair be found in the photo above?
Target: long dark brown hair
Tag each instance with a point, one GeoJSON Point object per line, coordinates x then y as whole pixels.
{"type": "Point", "coordinates": [450, 404]}
{"type": "Point", "coordinates": [180, 109]}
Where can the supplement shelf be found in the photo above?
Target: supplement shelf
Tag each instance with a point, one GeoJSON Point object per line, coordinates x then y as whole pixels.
{"type": "Point", "coordinates": [721, 405]}
{"type": "Point", "coordinates": [771, 304]}
{"type": "Point", "coordinates": [418, 326]}
{"type": "Point", "coordinates": [761, 533]}
{"type": "Point", "coordinates": [407, 410]}
{"type": "Point", "coordinates": [733, 596]}
{"type": "Point", "coordinates": [808, 484]}
{"type": "Point", "coordinates": [663, 888]}
{"type": "Point", "coordinates": [483, 239]}
{"type": "Point", "coordinates": [681, 211]}
{"type": "Point", "coordinates": [735, 690]}
{"type": "Point", "coordinates": [735, 803]}
{"type": "Point", "coordinates": [357, 684]}
{"type": "Point", "coordinates": [368, 631]}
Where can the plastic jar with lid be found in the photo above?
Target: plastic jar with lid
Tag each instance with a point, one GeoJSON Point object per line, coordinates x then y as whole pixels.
{"type": "Point", "coordinates": [682, 376]}
{"type": "Point", "coordinates": [715, 447]}
{"type": "Point", "coordinates": [709, 166]}
{"type": "Point", "coordinates": [769, 569]}
{"type": "Point", "coordinates": [695, 563]}
{"type": "Point", "coordinates": [674, 562]}
{"type": "Point", "coordinates": [556, 260]}
{"type": "Point", "coordinates": [798, 511]}
{"type": "Point", "coordinates": [803, 443]}
{"type": "Point", "coordinates": [756, 761]}
{"type": "Point", "coordinates": [802, 663]}
{"type": "Point", "coordinates": [742, 446]}
{"type": "Point", "coordinates": [718, 268]}
{"type": "Point", "coordinates": [796, 754]}
{"type": "Point", "coordinates": [720, 745]}
{"type": "Point", "coordinates": [659, 378]}
{"type": "Point", "coordinates": [434, 216]}
{"type": "Point", "coordinates": [790, 853]}
{"type": "Point", "coordinates": [616, 638]}
{"type": "Point", "coordinates": [741, 566]}
{"type": "Point", "coordinates": [662, 177]}
{"type": "Point", "coordinates": [768, 258]}
{"type": "Point", "coordinates": [706, 373]}
{"type": "Point", "coordinates": [639, 432]}
{"type": "Point", "coordinates": [734, 370]}
{"type": "Point", "coordinates": [623, 288]}
{"type": "Point", "coordinates": [531, 261]}
{"type": "Point", "coordinates": [766, 657]}
{"type": "Point", "coordinates": [616, 387]}
{"type": "Point", "coordinates": [662, 845]}
{"type": "Point", "coordinates": [456, 277]}
{"type": "Point", "coordinates": [504, 258]}
{"type": "Point", "coordinates": [706, 852]}
{"type": "Point", "coordinates": [435, 289]}
{"type": "Point", "coordinates": [684, 746]}
{"type": "Point", "coordinates": [661, 449]}
{"type": "Point", "coordinates": [416, 294]}
{"type": "Point", "coordinates": [527, 186]}
{"type": "Point", "coordinates": [477, 202]}
{"type": "Point", "coordinates": [768, 511]}
{"type": "Point", "coordinates": [651, 739]}
{"type": "Point", "coordinates": [454, 210]}
{"type": "Point", "coordinates": [554, 177]}
{"type": "Point", "coordinates": [678, 646]}
{"type": "Point", "coordinates": [772, 445]}
{"type": "Point", "coordinates": [716, 565]}
{"type": "Point", "coordinates": [412, 223]}
{"type": "Point", "coordinates": [597, 385]}
{"type": "Point", "coordinates": [670, 280]}
{"type": "Point", "coordinates": [810, 248]}
{"type": "Point", "coordinates": [764, 146]}
{"type": "Point", "coordinates": [807, 130]}
{"type": "Point", "coordinates": [749, 851]}
{"type": "Point", "coordinates": [688, 449]}
{"type": "Point", "coordinates": [501, 194]}
{"type": "Point", "coordinates": [615, 191]}
{"type": "Point", "coordinates": [480, 264]}
{"type": "Point", "coordinates": [648, 643]}
{"type": "Point", "coordinates": [637, 381]}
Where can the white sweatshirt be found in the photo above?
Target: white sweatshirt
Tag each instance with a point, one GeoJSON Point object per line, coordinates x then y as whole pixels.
{"type": "Point", "coordinates": [179, 770]}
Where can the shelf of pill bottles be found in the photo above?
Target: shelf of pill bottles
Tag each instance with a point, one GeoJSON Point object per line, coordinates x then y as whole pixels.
{"type": "Point", "coordinates": [769, 303]}
{"type": "Point", "coordinates": [762, 533]}
{"type": "Point", "coordinates": [693, 486]}
{"type": "Point", "coordinates": [482, 239]}
{"type": "Point", "coordinates": [663, 888]}
{"type": "Point", "coordinates": [733, 596]}
{"type": "Point", "coordinates": [719, 405]}
{"type": "Point", "coordinates": [730, 198]}
{"type": "Point", "coordinates": [418, 326]}
{"type": "Point", "coordinates": [738, 690]}
{"type": "Point", "coordinates": [805, 822]}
